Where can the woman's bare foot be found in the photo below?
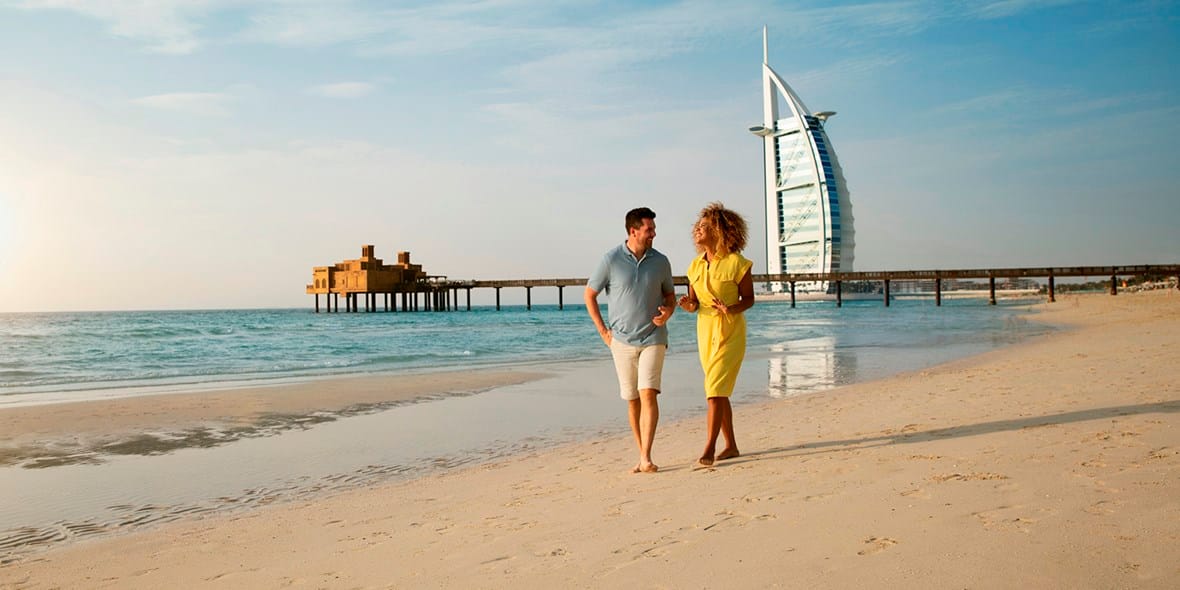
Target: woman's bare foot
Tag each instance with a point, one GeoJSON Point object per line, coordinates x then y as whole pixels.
{"type": "Point", "coordinates": [728, 453]}
{"type": "Point", "coordinates": [703, 463]}
{"type": "Point", "coordinates": [637, 468]}
{"type": "Point", "coordinates": [649, 468]}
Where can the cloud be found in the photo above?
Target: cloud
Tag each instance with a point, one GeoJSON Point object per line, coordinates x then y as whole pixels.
{"type": "Point", "coordinates": [342, 90]}
{"type": "Point", "coordinates": [1007, 8]}
{"type": "Point", "coordinates": [193, 103]}
{"type": "Point", "coordinates": [851, 68]}
{"type": "Point", "coordinates": [166, 26]}
{"type": "Point", "coordinates": [1006, 99]}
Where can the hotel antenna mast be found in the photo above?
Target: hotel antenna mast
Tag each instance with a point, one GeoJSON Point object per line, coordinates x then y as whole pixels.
{"type": "Point", "coordinates": [808, 212]}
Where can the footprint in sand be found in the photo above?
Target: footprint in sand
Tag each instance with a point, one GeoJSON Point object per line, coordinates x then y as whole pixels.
{"type": "Point", "coordinates": [1003, 519]}
{"type": "Point", "coordinates": [876, 545]}
{"type": "Point", "coordinates": [1163, 453]}
{"type": "Point", "coordinates": [976, 476]}
{"type": "Point", "coordinates": [1102, 507]}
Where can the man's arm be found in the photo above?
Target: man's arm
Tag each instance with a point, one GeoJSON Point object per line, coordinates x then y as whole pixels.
{"type": "Point", "coordinates": [666, 309]}
{"type": "Point", "coordinates": [591, 297]}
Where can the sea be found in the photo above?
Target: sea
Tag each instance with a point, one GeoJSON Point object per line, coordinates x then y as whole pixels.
{"type": "Point", "coordinates": [50, 358]}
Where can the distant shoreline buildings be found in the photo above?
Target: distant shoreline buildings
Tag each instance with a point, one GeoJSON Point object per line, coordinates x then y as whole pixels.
{"type": "Point", "coordinates": [809, 226]}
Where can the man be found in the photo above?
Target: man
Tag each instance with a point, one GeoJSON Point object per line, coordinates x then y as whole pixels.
{"type": "Point", "coordinates": [638, 282]}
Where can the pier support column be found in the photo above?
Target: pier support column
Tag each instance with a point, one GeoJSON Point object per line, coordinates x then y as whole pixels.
{"type": "Point", "coordinates": [991, 290]}
{"type": "Point", "coordinates": [528, 298]}
{"type": "Point", "coordinates": [839, 294]}
{"type": "Point", "coordinates": [792, 294]}
{"type": "Point", "coordinates": [497, 299]}
{"type": "Point", "coordinates": [886, 292]}
{"type": "Point", "coordinates": [938, 291]}
{"type": "Point", "coordinates": [468, 298]}
{"type": "Point", "coordinates": [1052, 295]}
{"type": "Point", "coordinates": [560, 302]}
{"type": "Point", "coordinates": [335, 296]}
{"type": "Point", "coordinates": [317, 302]}
{"type": "Point", "coordinates": [1114, 285]}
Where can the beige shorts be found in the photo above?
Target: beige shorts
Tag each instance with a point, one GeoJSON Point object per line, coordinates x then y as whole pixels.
{"type": "Point", "coordinates": [638, 367]}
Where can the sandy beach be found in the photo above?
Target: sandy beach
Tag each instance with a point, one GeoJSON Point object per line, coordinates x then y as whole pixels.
{"type": "Point", "coordinates": [1054, 463]}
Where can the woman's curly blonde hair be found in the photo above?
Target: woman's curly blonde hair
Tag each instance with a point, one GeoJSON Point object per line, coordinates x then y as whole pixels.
{"type": "Point", "coordinates": [728, 228]}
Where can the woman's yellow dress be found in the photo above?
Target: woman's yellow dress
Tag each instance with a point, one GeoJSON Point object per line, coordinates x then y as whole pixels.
{"type": "Point", "coordinates": [721, 339]}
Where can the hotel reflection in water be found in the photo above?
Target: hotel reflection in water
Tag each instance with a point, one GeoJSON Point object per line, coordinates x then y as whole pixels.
{"type": "Point", "coordinates": [807, 366]}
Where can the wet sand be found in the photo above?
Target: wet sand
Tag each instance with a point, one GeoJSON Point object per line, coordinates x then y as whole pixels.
{"type": "Point", "coordinates": [1051, 464]}
{"type": "Point", "coordinates": [82, 432]}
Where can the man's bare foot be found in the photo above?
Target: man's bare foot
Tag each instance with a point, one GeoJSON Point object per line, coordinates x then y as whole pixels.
{"type": "Point", "coordinates": [703, 463]}
{"type": "Point", "coordinates": [728, 454]}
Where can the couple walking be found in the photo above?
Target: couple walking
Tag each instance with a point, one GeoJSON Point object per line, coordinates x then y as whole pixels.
{"type": "Point", "coordinates": [641, 299]}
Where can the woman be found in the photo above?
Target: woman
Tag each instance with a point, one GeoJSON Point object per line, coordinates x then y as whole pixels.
{"type": "Point", "coordinates": [720, 288]}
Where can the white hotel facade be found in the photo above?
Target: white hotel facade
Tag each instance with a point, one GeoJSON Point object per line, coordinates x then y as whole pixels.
{"type": "Point", "coordinates": [808, 212]}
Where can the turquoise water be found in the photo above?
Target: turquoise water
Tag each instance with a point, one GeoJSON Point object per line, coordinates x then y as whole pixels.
{"type": "Point", "coordinates": [81, 355]}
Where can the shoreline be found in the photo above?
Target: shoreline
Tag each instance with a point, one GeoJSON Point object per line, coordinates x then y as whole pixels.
{"type": "Point", "coordinates": [1019, 456]}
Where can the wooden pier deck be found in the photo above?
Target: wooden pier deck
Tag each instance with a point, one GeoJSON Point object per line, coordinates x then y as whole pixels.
{"type": "Point", "coordinates": [440, 294]}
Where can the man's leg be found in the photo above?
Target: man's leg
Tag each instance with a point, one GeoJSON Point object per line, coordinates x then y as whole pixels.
{"type": "Point", "coordinates": [634, 411]}
{"type": "Point", "coordinates": [651, 366]}
{"type": "Point", "coordinates": [626, 360]}
{"type": "Point", "coordinates": [649, 417]}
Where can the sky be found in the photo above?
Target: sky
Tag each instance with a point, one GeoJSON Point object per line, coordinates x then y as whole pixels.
{"type": "Point", "coordinates": [206, 154]}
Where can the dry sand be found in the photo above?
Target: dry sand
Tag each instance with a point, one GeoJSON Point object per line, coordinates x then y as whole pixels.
{"type": "Point", "coordinates": [1050, 464]}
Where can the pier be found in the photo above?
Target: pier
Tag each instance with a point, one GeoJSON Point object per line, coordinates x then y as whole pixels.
{"type": "Point", "coordinates": [437, 293]}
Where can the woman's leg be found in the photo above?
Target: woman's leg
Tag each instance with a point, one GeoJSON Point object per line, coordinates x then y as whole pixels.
{"type": "Point", "coordinates": [713, 423]}
{"type": "Point", "coordinates": [731, 449]}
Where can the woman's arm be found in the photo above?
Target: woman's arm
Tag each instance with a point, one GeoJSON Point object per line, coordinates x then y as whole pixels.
{"type": "Point", "coordinates": [689, 301]}
{"type": "Point", "coordinates": [745, 297]}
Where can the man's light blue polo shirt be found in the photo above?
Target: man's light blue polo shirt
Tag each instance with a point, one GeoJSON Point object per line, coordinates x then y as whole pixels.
{"type": "Point", "coordinates": [635, 290]}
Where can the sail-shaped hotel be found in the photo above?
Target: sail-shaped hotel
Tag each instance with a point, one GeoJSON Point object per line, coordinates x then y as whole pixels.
{"type": "Point", "coordinates": [808, 212]}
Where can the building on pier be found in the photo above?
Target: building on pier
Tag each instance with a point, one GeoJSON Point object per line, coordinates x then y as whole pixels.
{"type": "Point", "coordinates": [808, 211]}
{"type": "Point", "coordinates": [367, 274]}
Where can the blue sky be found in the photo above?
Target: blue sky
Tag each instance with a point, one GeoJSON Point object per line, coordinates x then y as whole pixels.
{"type": "Point", "coordinates": [208, 153]}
